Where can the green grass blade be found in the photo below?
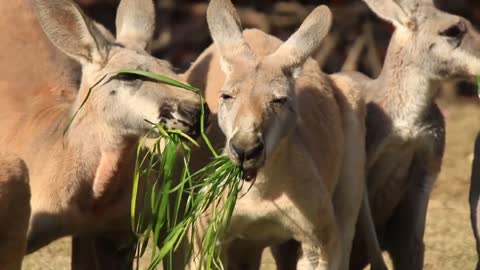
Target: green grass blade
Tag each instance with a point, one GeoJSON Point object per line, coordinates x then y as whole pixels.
{"type": "Point", "coordinates": [159, 78]}
{"type": "Point", "coordinates": [72, 118]}
{"type": "Point", "coordinates": [176, 204]}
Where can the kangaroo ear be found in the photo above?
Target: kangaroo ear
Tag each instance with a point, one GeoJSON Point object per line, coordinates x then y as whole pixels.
{"type": "Point", "coordinates": [399, 12]}
{"type": "Point", "coordinates": [71, 31]}
{"type": "Point", "coordinates": [305, 41]}
{"type": "Point", "coordinates": [135, 23]}
{"type": "Point", "coordinates": [226, 31]}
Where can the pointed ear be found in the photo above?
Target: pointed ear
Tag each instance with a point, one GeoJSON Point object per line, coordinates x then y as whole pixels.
{"type": "Point", "coordinates": [226, 31]}
{"type": "Point", "coordinates": [71, 31]}
{"type": "Point", "coordinates": [135, 23]}
{"type": "Point", "coordinates": [399, 12]}
{"type": "Point", "coordinates": [303, 43]}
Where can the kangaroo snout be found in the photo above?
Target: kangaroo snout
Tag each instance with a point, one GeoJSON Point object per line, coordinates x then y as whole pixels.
{"type": "Point", "coordinates": [248, 153]}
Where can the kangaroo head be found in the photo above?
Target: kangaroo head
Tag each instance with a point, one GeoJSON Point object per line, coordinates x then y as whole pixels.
{"type": "Point", "coordinates": [440, 44]}
{"type": "Point", "coordinates": [257, 107]}
{"type": "Point", "coordinates": [121, 103]}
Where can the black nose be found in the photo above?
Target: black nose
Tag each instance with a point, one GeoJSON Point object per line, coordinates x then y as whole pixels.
{"type": "Point", "coordinates": [244, 154]}
{"type": "Point", "coordinates": [193, 113]}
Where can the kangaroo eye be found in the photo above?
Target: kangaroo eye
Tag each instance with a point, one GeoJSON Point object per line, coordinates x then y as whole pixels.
{"type": "Point", "coordinates": [226, 97]}
{"type": "Point", "coordinates": [280, 101]}
{"type": "Point", "coordinates": [455, 31]}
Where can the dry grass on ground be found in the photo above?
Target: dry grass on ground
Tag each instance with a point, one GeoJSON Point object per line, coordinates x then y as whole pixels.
{"type": "Point", "coordinates": [449, 241]}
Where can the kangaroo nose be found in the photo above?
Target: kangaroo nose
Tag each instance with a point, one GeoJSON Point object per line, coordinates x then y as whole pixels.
{"type": "Point", "coordinates": [244, 154]}
{"type": "Point", "coordinates": [193, 113]}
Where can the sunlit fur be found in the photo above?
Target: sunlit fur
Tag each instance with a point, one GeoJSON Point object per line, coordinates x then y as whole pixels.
{"type": "Point", "coordinates": [81, 182]}
{"type": "Point", "coordinates": [405, 128]}
{"type": "Point", "coordinates": [309, 180]}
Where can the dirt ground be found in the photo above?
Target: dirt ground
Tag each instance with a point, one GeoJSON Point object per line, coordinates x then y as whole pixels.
{"type": "Point", "coordinates": [449, 240]}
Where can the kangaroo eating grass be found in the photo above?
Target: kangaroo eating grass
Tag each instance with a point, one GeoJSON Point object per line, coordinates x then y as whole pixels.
{"type": "Point", "coordinates": [405, 128]}
{"type": "Point", "coordinates": [14, 210]}
{"type": "Point", "coordinates": [81, 180]}
{"type": "Point", "coordinates": [287, 125]}
{"type": "Point", "coordinates": [475, 197]}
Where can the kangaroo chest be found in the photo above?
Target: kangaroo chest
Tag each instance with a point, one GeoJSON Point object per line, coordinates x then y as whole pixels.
{"type": "Point", "coordinates": [389, 166]}
{"type": "Point", "coordinates": [259, 220]}
{"type": "Point", "coordinates": [387, 178]}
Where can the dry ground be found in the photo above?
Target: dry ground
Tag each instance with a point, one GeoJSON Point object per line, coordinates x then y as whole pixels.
{"type": "Point", "coordinates": [449, 241]}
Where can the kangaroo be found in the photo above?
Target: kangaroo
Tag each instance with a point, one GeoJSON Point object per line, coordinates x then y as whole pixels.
{"type": "Point", "coordinates": [474, 196]}
{"type": "Point", "coordinates": [287, 125]}
{"type": "Point", "coordinates": [81, 180]}
{"type": "Point", "coordinates": [405, 128]}
{"type": "Point", "coordinates": [14, 210]}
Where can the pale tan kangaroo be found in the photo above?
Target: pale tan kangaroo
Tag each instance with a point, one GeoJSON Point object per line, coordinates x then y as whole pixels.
{"type": "Point", "coordinates": [81, 182]}
{"type": "Point", "coordinates": [474, 197]}
{"type": "Point", "coordinates": [288, 126]}
{"type": "Point", "coordinates": [14, 210]}
{"type": "Point", "coordinates": [405, 128]}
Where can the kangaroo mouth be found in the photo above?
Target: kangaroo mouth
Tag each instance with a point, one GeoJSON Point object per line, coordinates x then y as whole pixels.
{"type": "Point", "coordinates": [249, 167]}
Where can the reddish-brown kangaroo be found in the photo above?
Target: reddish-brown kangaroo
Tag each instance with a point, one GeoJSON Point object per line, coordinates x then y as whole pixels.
{"type": "Point", "coordinates": [290, 126]}
{"type": "Point", "coordinates": [81, 181]}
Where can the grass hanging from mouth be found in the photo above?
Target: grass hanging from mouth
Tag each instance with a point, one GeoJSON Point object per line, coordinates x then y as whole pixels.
{"type": "Point", "coordinates": [169, 209]}
{"type": "Point", "coordinates": [165, 211]}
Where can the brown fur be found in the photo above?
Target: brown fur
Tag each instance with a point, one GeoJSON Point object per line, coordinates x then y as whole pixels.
{"type": "Point", "coordinates": [405, 129]}
{"type": "Point", "coordinates": [311, 182]}
{"type": "Point", "coordinates": [14, 210]}
{"type": "Point", "coordinates": [81, 181]}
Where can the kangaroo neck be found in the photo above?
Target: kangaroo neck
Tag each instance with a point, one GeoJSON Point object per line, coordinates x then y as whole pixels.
{"type": "Point", "coordinates": [403, 89]}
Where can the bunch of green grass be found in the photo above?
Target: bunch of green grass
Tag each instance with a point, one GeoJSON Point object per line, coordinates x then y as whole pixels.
{"type": "Point", "coordinates": [169, 209]}
{"type": "Point", "coordinates": [174, 204]}
{"type": "Point", "coordinates": [166, 212]}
